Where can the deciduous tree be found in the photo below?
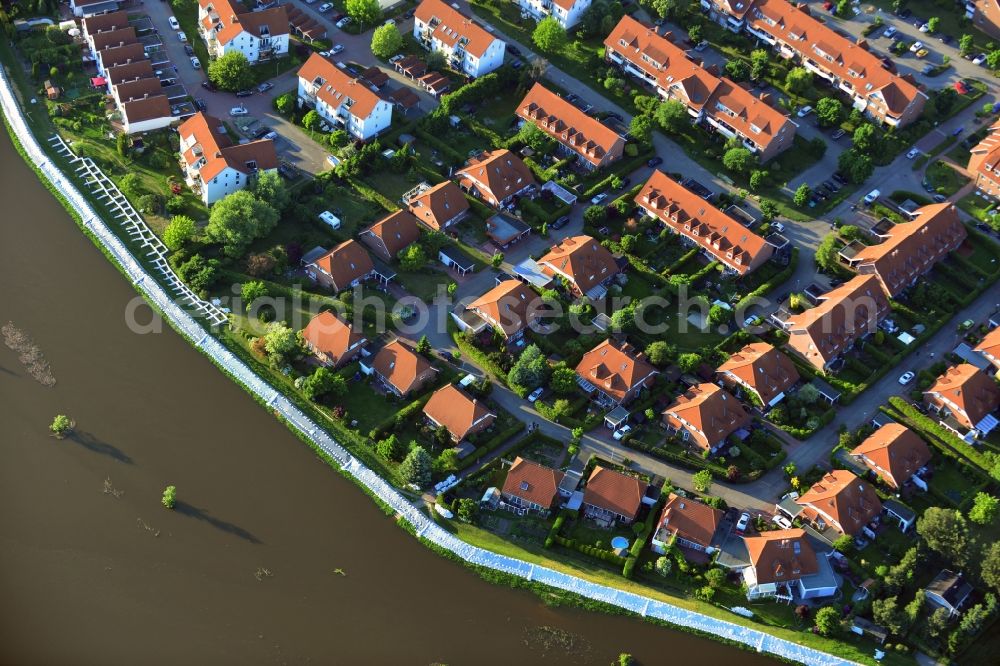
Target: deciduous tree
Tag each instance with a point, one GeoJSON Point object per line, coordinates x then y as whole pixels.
{"type": "Point", "coordinates": [386, 40]}
{"type": "Point", "coordinates": [364, 12]}
{"type": "Point", "coordinates": [237, 220]}
{"type": "Point", "coordinates": [563, 381]}
{"type": "Point", "coordinates": [231, 72]}
{"type": "Point", "coordinates": [702, 481]}
{"type": "Point", "coordinates": [270, 188]}
{"type": "Point", "coordinates": [946, 532]}
{"type": "Point", "coordinates": [829, 111]}
{"type": "Point", "coordinates": [827, 621]}
{"type": "Point", "coordinates": [740, 160]}
{"type": "Point", "coordinates": [984, 509]}
{"type": "Point", "coordinates": [798, 80]}
{"type": "Point", "coordinates": [179, 231]}
{"type": "Point", "coordinates": [549, 36]}
{"type": "Point", "coordinates": [672, 116]}
{"type": "Point", "coordinates": [530, 369]}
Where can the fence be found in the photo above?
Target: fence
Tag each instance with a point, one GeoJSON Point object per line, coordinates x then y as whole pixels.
{"type": "Point", "coordinates": [424, 526]}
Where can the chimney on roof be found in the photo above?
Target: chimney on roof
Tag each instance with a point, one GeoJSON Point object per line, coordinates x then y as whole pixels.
{"type": "Point", "coordinates": [712, 69]}
{"type": "Point", "coordinates": [767, 98]}
{"type": "Point", "coordinates": [669, 36]}
{"type": "Point", "coordinates": [863, 43]}
{"type": "Point", "coordinates": [804, 8]}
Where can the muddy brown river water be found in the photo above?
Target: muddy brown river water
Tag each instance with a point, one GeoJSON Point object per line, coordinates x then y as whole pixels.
{"type": "Point", "coordinates": [94, 571]}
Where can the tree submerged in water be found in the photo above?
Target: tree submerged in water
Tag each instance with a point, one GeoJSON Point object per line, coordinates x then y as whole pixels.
{"type": "Point", "coordinates": [62, 425]}
{"type": "Point", "coordinates": [169, 497]}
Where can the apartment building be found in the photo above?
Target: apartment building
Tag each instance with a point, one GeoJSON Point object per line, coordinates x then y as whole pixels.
{"type": "Point", "coordinates": [213, 165]}
{"type": "Point", "coordinates": [342, 100]}
{"type": "Point", "coordinates": [468, 47]}
{"type": "Point", "coordinates": [228, 26]}
{"type": "Point", "coordinates": [567, 13]}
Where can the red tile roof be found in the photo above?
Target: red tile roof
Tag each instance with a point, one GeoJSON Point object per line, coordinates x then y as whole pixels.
{"type": "Point", "coordinates": [392, 234]}
{"type": "Point", "coordinates": [454, 409]}
{"type": "Point", "coordinates": [615, 368]}
{"type": "Point", "coordinates": [842, 497]}
{"type": "Point", "coordinates": [913, 248]}
{"type": "Point", "coordinates": [129, 71]}
{"type": "Point", "coordinates": [346, 263]}
{"type": "Point", "coordinates": [334, 86]}
{"type": "Point", "coordinates": [103, 22]}
{"type": "Point", "coordinates": [218, 151]}
{"type": "Point", "coordinates": [437, 206]}
{"type": "Point", "coordinates": [586, 136]}
{"type": "Point", "coordinates": [449, 26]}
{"type": "Point", "coordinates": [763, 368]}
{"type": "Point", "coordinates": [781, 555]}
{"type": "Point", "coordinates": [113, 56]}
{"type": "Point", "coordinates": [148, 108]}
{"type": "Point", "coordinates": [689, 215]}
{"type": "Point", "coordinates": [326, 333]}
{"type": "Point", "coordinates": [614, 492]}
{"type": "Point", "coordinates": [230, 19]}
{"type": "Point", "coordinates": [708, 413]}
{"type": "Point", "coordinates": [689, 520]}
{"type": "Point", "coordinates": [495, 174]}
{"type": "Point", "coordinates": [401, 366]}
{"type": "Point", "coordinates": [139, 89]}
{"type": "Point", "coordinates": [984, 159]}
{"type": "Point", "coordinates": [969, 393]}
{"type": "Point", "coordinates": [990, 347]}
{"type": "Point", "coordinates": [845, 59]}
{"type": "Point", "coordinates": [822, 333]}
{"type": "Point", "coordinates": [894, 452]}
{"type": "Point", "coordinates": [533, 483]}
{"type": "Point", "coordinates": [509, 306]}
{"type": "Point", "coordinates": [581, 260]}
{"type": "Point", "coordinates": [109, 38]}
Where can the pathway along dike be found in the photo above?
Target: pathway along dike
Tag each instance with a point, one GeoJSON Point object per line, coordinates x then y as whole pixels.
{"type": "Point", "coordinates": [425, 528]}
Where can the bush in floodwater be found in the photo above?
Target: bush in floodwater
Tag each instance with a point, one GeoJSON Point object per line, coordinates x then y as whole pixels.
{"type": "Point", "coordinates": [169, 496]}
{"type": "Point", "coordinates": [62, 425]}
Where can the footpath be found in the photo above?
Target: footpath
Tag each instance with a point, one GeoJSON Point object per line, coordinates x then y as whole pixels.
{"type": "Point", "coordinates": [424, 527]}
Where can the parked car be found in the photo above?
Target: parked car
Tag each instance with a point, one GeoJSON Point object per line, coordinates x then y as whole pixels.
{"type": "Point", "coordinates": [621, 432]}
{"type": "Point", "coordinates": [264, 87]}
{"type": "Point", "coordinates": [181, 36]}
{"type": "Point", "coordinates": [832, 186]}
{"type": "Point", "coordinates": [982, 226]}
{"type": "Point", "coordinates": [325, 7]}
{"type": "Point", "coordinates": [195, 62]}
{"type": "Point", "coordinates": [782, 522]}
{"type": "Point", "coordinates": [839, 133]}
{"type": "Point", "coordinates": [200, 103]}
{"type": "Point", "coordinates": [390, 22]}
{"type": "Point", "coordinates": [906, 378]}
{"type": "Point", "coordinates": [743, 523]}
{"type": "Point", "coordinates": [945, 39]}
{"type": "Point", "coordinates": [927, 69]}
{"type": "Point", "coordinates": [654, 162]}
{"type": "Point", "coordinates": [804, 111]}
{"type": "Point", "coordinates": [922, 53]}
{"type": "Point", "coordinates": [916, 46]}
{"type": "Point", "coordinates": [957, 131]}
{"type": "Point", "coordinates": [342, 23]}
{"type": "Point", "coordinates": [913, 153]}
{"type": "Point", "coordinates": [207, 85]}
{"type": "Point", "coordinates": [536, 394]}
{"type": "Point", "coordinates": [596, 201]}
{"type": "Point", "coordinates": [174, 25]}
{"type": "Point", "coordinates": [244, 93]}
{"type": "Point", "coordinates": [337, 48]}
{"type": "Point", "coordinates": [239, 111]}
{"type": "Point", "coordinates": [961, 88]}
{"type": "Point", "coordinates": [890, 32]}
{"type": "Point", "coordinates": [939, 198]}
{"type": "Point", "coordinates": [188, 50]}
{"type": "Point", "coordinates": [561, 222]}
{"type": "Point", "coordinates": [925, 27]}
{"type": "Point", "coordinates": [336, 16]}
{"type": "Point", "coordinates": [905, 13]}
{"type": "Point", "coordinates": [840, 178]}
{"type": "Point", "coordinates": [626, 181]}
{"type": "Point", "coordinates": [778, 226]}
{"type": "Point", "coordinates": [872, 196]}
{"type": "Point", "coordinates": [979, 59]}
{"type": "Point", "coordinates": [752, 320]}
{"type": "Point", "coordinates": [513, 50]}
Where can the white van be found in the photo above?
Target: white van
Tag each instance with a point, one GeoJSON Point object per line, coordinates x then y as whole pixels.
{"type": "Point", "coordinates": [872, 196]}
{"type": "Point", "coordinates": [330, 219]}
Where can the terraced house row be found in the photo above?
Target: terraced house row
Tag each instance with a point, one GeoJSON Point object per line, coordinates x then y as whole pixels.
{"type": "Point", "coordinates": [872, 84]}
{"type": "Point", "coordinates": [716, 101]}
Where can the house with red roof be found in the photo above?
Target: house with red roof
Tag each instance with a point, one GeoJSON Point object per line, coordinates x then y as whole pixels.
{"type": "Point", "coordinates": [399, 368]}
{"type": "Point", "coordinates": [467, 45]}
{"type": "Point", "coordinates": [343, 267]}
{"type": "Point", "coordinates": [842, 501]}
{"type": "Point", "coordinates": [532, 486]}
{"type": "Point", "coordinates": [584, 264]}
{"type": "Point", "coordinates": [989, 347]}
{"type": "Point", "coordinates": [784, 566]}
{"type": "Point", "coordinates": [726, 107]}
{"type": "Point", "coordinates": [895, 454]}
{"type": "Point", "coordinates": [702, 225]}
{"type": "Point", "coordinates": [227, 26]}
{"type": "Point", "coordinates": [966, 400]}
{"type": "Point", "coordinates": [459, 413]}
{"type": "Point", "coordinates": [910, 249]}
{"type": "Point", "coordinates": [391, 235]}
{"type": "Point", "coordinates": [615, 372]}
{"type": "Point", "coordinates": [611, 496]}
{"type": "Point", "coordinates": [495, 177]}
{"type": "Point", "coordinates": [213, 164]}
{"type": "Point", "coordinates": [596, 144]}
{"type": "Point", "coordinates": [333, 341]}
{"type": "Point", "coordinates": [342, 100]}
{"type": "Point", "coordinates": [567, 13]}
{"type": "Point", "coordinates": [762, 370]}
{"type": "Point", "coordinates": [688, 524]}
{"type": "Point", "coordinates": [705, 416]}
{"type": "Point", "coordinates": [984, 161]}
{"type": "Point", "coordinates": [437, 207]}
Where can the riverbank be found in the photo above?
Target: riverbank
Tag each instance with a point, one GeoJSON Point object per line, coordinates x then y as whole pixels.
{"type": "Point", "coordinates": [195, 333]}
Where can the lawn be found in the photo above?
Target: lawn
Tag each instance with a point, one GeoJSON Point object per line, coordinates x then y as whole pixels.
{"type": "Point", "coordinates": [977, 207]}
{"type": "Point", "coordinates": [424, 284]}
{"type": "Point", "coordinates": [984, 255]}
{"type": "Point", "coordinates": [366, 406]}
{"type": "Point", "coordinates": [944, 179]}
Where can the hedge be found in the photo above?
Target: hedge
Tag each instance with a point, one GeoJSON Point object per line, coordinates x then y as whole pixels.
{"type": "Point", "coordinates": [624, 167]}
{"type": "Point", "coordinates": [686, 257]}
{"type": "Point", "coordinates": [373, 195]}
{"type": "Point", "coordinates": [593, 551]}
{"type": "Point", "coordinates": [771, 284]}
{"type": "Point", "coordinates": [382, 429]}
{"type": "Point", "coordinates": [945, 439]}
{"type": "Point", "coordinates": [492, 443]}
{"type": "Point", "coordinates": [441, 146]}
{"type": "Point", "coordinates": [479, 356]}
{"type": "Point", "coordinates": [716, 469]}
{"type": "Point", "coordinates": [557, 527]}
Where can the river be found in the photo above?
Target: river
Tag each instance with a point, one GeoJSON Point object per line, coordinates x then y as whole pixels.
{"type": "Point", "coordinates": [270, 556]}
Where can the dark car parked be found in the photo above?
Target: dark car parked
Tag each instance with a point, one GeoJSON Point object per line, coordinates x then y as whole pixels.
{"type": "Point", "coordinates": [244, 93]}
{"type": "Point", "coordinates": [561, 222]}
{"type": "Point", "coordinates": [654, 162]}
